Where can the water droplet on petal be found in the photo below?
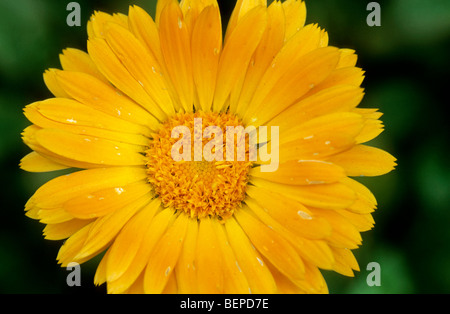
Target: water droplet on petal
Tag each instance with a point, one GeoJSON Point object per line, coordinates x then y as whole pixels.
{"type": "Point", "coordinates": [304, 215]}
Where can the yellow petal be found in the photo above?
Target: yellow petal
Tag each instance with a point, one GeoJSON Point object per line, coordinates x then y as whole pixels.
{"type": "Point", "coordinates": [129, 240]}
{"type": "Point", "coordinates": [305, 41]}
{"type": "Point", "coordinates": [206, 48]}
{"type": "Point", "coordinates": [185, 268]}
{"type": "Point", "coordinates": [301, 77]}
{"type": "Point", "coordinates": [334, 99]}
{"type": "Point", "coordinates": [99, 20]}
{"type": "Point", "coordinates": [94, 93]}
{"type": "Point", "coordinates": [72, 246]}
{"type": "Point", "coordinates": [316, 252]}
{"type": "Point", "coordinates": [345, 262]}
{"type": "Point", "coordinates": [192, 9]}
{"type": "Point", "coordinates": [302, 172]}
{"type": "Point", "coordinates": [103, 202]}
{"type": "Point", "coordinates": [90, 149]}
{"type": "Point", "coordinates": [328, 196]}
{"type": "Point", "coordinates": [348, 58]}
{"type": "Point", "coordinates": [343, 234]}
{"type": "Point", "coordinates": [144, 28]}
{"type": "Point", "coordinates": [250, 261]}
{"type": "Point", "coordinates": [237, 54]}
{"type": "Point", "coordinates": [112, 68]}
{"type": "Point", "coordinates": [295, 12]}
{"type": "Point", "coordinates": [236, 281]}
{"type": "Point", "coordinates": [105, 229]}
{"type": "Point", "coordinates": [72, 113]}
{"type": "Point", "coordinates": [269, 46]}
{"type": "Point", "coordinates": [241, 8]}
{"type": "Point", "coordinates": [165, 256]}
{"type": "Point", "coordinates": [159, 225]}
{"type": "Point", "coordinates": [34, 162]}
{"type": "Point", "coordinates": [176, 50]}
{"type": "Point", "coordinates": [320, 137]}
{"type": "Point", "coordinates": [208, 263]}
{"type": "Point", "coordinates": [65, 229]}
{"type": "Point", "coordinates": [61, 189]}
{"type": "Point", "coordinates": [272, 245]}
{"type": "Point", "coordinates": [364, 160]}
{"type": "Point", "coordinates": [141, 65]}
{"type": "Point", "coordinates": [291, 214]}
{"type": "Point", "coordinates": [53, 85]}
{"type": "Point", "coordinates": [79, 61]}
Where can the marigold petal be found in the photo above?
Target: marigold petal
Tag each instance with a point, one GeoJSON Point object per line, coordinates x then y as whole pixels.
{"type": "Point", "coordinates": [328, 196]}
{"type": "Point", "coordinates": [206, 48]}
{"type": "Point", "coordinates": [165, 256]}
{"type": "Point", "coordinates": [176, 50]}
{"type": "Point", "coordinates": [35, 162]}
{"type": "Point", "coordinates": [272, 245]}
{"type": "Point", "coordinates": [141, 65]}
{"type": "Point", "coordinates": [237, 53]}
{"type": "Point", "coordinates": [364, 160]}
{"type": "Point", "coordinates": [76, 60]}
{"type": "Point", "coordinates": [94, 93]}
{"type": "Point", "coordinates": [250, 261]}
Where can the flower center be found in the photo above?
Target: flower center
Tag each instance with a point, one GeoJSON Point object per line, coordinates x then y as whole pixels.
{"type": "Point", "coordinates": [204, 182]}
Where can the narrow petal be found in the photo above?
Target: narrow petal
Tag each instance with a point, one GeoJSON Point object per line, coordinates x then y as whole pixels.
{"type": "Point", "coordinates": [335, 99]}
{"type": "Point", "coordinates": [106, 201]}
{"type": "Point", "coordinates": [295, 12]}
{"type": "Point", "coordinates": [364, 160]}
{"type": "Point", "coordinates": [301, 77]}
{"type": "Point", "coordinates": [53, 85]}
{"type": "Point", "coordinates": [290, 213]}
{"type": "Point", "coordinates": [141, 65]}
{"type": "Point", "coordinates": [165, 256]}
{"type": "Point", "coordinates": [185, 268]}
{"type": "Point", "coordinates": [74, 114]}
{"type": "Point", "coordinates": [328, 196]}
{"type": "Point", "coordinates": [316, 252]}
{"type": "Point", "coordinates": [271, 43]}
{"type": "Point", "coordinates": [144, 28]}
{"type": "Point", "coordinates": [72, 246]}
{"type": "Point", "coordinates": [94, 93]}
{"type": "Point", "coordinates": [35, 162]}
{"type": "Point", "coordinates": [250, 261]}
{"type": "Point", "coordinates": [206, 49]}
{"type": "Point", "coordinates": [237, 54]}
{"type": "Point", "coordinates": [343, 234]}
{"type": "Point", "coordinates": [128, 242]}
{"type": "Point", "coordinates": [99, 20]}
{"type": "Point", "coordinates": [208, 263]}
{"type": "Point", "coordinates": [116, 72]}
{"type": "Point", "coordinates": [305, 41]}
{"type": "Point", "coordinates": [89, 149]}
{"type": "Point", "coordinates": [272, 245]}
{"type": "Point", "coordinates": [241, 8]}
{"type": "Point", "coordinates": [158, 227]}
{"type": "Point", "coordinates": [76, 60]}
{"type": "Point", "coordinates": [176, 50]}
{"type": "Point", "coordinates": [302, 172]}
{"type": "Point", "coordinates": [105, 229]}
{"type": "Point", "coordinates": [345, 262]}
{"type": "Point", "coordinates": [61, 189]}
{"type": "Point", "coordinates": [64, 230]}
{"type": "Point", "coordinates": [235, 282]}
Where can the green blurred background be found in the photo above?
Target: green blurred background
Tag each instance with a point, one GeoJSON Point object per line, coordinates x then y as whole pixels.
{"type": "Point", "coordinates": [407, 68]}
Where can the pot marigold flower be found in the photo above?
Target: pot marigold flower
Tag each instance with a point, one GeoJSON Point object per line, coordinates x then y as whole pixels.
{"type": "Point", "coordinates": [202, 225]}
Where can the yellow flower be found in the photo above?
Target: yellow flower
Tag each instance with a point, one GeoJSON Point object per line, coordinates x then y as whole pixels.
{"type": "Point", "coordinates": [206, 226]}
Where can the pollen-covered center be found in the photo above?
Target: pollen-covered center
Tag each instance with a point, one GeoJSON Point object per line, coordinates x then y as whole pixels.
{"type": "Point", "coordinates": [190, 170]}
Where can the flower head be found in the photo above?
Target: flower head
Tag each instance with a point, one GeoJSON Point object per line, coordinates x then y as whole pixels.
{"type": "Point", "coordinates": [215, 220]}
